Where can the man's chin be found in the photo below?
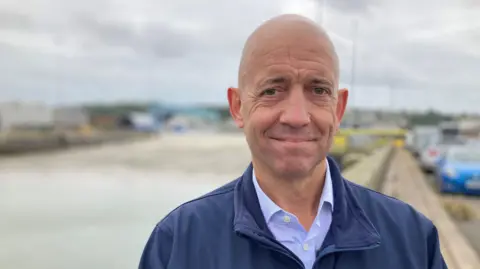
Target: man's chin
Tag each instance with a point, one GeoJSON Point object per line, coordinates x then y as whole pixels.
{"type": "Point", "coordinates": [294, 169]}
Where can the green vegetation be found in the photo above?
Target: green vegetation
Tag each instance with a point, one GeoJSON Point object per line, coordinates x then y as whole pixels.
{"type": "Point", "coordinates": [459, 211]}
{"type": "Point", "coordinates": [115, 109]}
{"type": "Point", "coordinates": [429, 118]}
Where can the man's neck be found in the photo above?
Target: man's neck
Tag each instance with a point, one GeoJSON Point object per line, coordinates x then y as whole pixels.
{"type": "Point", "coordinates": [293, 195]}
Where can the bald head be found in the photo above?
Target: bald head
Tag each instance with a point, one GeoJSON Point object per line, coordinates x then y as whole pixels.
{"type": "Point", "coordinates": [287, 32]}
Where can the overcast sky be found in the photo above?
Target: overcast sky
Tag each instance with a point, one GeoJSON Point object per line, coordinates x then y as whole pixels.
{"type": "Point", "coordinates": [410, 53]}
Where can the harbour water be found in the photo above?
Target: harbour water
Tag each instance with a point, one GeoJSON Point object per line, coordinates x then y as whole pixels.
{"type": "Point", "coordinates": [95, 208]}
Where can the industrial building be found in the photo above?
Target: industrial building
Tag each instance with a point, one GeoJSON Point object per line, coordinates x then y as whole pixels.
{"type": "Point", "coordinates": [139, 121]}
{"type": "Point", "coordinates": [70, 117]}
{"type": "Point", "coordinates": [19, 115]}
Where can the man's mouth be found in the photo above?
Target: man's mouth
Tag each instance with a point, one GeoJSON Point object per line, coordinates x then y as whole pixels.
{"type": "Point", "coordinates": [293, 139]}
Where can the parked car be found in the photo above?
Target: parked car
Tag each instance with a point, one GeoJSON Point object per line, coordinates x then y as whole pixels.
{"type": "Point", "coordinates": [434, 151]}
{"type": "Point", "coordinates": [409, 141]}
{"type": "Point", "coordinates": [473, 142]}
{"type": "Point", "coordinates": [422, 137]}
{"type": "Point", "coordinates": [458, 170]}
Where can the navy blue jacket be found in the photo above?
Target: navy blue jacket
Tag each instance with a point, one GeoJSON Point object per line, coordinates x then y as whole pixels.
{"type": "Point", "coordinates": [225, 229]}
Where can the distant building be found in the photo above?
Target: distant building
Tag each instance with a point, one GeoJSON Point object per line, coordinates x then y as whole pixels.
{"type": "Point", "coordinates": [70, 117]}
{"type": "Point", "coordinates": [139, 121]}
{"type": "Point", "coordinates": [184, 123]}
{"type": "Point", "coordinates": [179, 124]}
{"type": "Point", "coordinates": [104, 122]}
{"type": "Point", "coordinates": [17, 115]}
{"type": "Point", "coordinates": [469, 127]}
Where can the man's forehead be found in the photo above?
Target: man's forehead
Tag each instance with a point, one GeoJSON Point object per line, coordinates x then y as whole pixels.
{"type": "Point", "coordinates": [290, 60]}
{"type": "Point", "coordinates": [308, 52]}
{"type": "Point", "coordinates": [278, 73]}
{"type": "Point", "coordinates": [297, 37]}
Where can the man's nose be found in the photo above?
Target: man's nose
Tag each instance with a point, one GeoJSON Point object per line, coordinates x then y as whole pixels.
{"type": "Point", "coordinates": [295, 110]}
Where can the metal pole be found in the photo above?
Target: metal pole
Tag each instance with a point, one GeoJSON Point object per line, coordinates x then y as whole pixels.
{"type": "Point", "coordinates": [352, 78]}
{"type": "Point", "coordinates": [391, 91]}
{"type": "Point", "coordinates": [324, 12]}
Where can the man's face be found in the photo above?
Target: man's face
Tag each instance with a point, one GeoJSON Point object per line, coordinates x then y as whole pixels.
{"type": "Point", "coordinates": [289, 107]}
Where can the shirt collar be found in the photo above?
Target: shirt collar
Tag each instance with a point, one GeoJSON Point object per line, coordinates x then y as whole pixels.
{"type": "Point", "coordinates": [269, 208]}
{"type": "Point", "coordinates": [351, 229]}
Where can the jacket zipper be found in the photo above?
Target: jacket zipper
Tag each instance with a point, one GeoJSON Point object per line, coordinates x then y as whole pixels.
{"type": "Point", "coordinates": [273, 245]}
{"type": "Point", "coordinates": [331, 249]}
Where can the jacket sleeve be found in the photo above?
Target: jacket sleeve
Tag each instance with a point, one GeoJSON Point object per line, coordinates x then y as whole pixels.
{"type": "Point", "coordinates": [156, 253]}
{"type": "Point", "coordinates": [435, 258]}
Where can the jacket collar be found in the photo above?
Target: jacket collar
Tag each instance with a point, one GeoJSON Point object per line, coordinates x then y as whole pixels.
{"type": "Point", "coordinates": [350, 228]}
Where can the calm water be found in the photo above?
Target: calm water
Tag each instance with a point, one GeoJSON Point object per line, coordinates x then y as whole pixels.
{"type": "Point", "coordinates": [85, 220]}
{"type": "Point", "coordinates": [96, 208]}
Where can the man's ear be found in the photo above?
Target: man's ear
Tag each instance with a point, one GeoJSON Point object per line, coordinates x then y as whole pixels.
{"type": "Point", "coordinates": [342, 100]}
{"type": "Point", "coordinates": [235, 104]}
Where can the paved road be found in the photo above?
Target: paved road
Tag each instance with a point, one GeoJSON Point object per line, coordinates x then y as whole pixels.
{"type": "Point", "coordinates": [94, 208]}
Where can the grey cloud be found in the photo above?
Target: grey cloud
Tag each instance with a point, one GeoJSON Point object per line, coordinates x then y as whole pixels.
{"type": "Point", "coordinates": [353, 6]}
{"type": "Point", "coordinates": [417, 65]}
{"type": "Point", "coordinates": [13, 20]}
{"type": "Point", "coordinates": [159, 40]}
{"type": "Point", "coordinates": [163, 60]}
{"type": "Point", "coordinates": [388, 58]}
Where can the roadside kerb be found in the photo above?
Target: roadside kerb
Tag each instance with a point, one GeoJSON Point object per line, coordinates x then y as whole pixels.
{"type": "Point", "coordinates": [369, 171]}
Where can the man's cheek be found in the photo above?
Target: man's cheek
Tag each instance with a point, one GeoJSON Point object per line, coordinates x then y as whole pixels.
{"type": "Point", "coordinates": [334, 119]}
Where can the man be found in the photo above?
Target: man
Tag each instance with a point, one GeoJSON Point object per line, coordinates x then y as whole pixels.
{"type": "Point", "coordinates": [291, 208]}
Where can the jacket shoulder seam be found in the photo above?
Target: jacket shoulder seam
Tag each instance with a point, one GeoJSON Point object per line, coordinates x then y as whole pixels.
{"type": "Point", "coordinates": [194, 200]}
{"type": "Point", "coordinates": [165, 228]}
{"type": "Point", "coordinates": [208, 196]}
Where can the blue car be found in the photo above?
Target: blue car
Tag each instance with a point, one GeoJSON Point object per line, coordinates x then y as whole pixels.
{"type": "Point", "coordinates": [458, 170]}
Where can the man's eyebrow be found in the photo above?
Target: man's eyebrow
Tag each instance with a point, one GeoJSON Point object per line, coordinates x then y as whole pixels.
{"type": "Point", "coordinates": [321, 81]}
{"type": "Point", "coordinates": [274, 80]}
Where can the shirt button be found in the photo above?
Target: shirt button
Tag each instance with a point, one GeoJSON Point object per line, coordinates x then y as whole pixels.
{"type": "Point", "coordinates": [286, 218]}
{"type": "Point", "coordinates": [305, 247]}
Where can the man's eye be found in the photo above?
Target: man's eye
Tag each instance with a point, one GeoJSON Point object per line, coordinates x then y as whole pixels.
{"type": "Point", "coordinates": [320, 91]}
{"type": "Point", "coordinates": [269, 92]}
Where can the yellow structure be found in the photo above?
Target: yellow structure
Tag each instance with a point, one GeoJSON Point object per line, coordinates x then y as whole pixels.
{"type": "Point", "coordinates": [86, 130]}
{"type": "Point", "coordinates": [347, 140]}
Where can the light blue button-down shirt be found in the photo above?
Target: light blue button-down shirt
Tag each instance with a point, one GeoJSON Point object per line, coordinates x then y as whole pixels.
{"type": "Point", "coordinates": [287, 229]}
